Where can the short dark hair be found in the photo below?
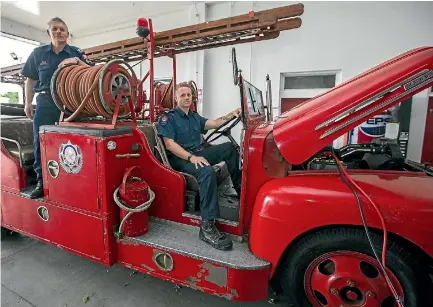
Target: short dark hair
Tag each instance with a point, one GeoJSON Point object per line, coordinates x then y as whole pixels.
{"type": "Point", "coordinates": [182, 84]}
{"type": "Point", "coordinates": [56, 19]}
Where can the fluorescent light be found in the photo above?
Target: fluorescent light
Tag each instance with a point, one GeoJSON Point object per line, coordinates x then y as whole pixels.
{"type": "Point", "coordinates": [28, 6]}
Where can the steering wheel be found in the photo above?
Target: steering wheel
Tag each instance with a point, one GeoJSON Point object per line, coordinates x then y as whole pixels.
{"type": "Point", "coordinates": [224, 131]}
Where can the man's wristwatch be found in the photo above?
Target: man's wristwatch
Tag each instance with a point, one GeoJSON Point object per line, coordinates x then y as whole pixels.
{"type": "Point", "coordinates": [189, 157]}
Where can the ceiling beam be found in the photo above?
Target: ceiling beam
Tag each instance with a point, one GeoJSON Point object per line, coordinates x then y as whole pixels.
{"type": "Point", "coordinates": [25, 31]}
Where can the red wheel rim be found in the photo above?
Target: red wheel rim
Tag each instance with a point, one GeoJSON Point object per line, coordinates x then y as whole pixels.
{"type": "Point", "coordinates": [349, 279]}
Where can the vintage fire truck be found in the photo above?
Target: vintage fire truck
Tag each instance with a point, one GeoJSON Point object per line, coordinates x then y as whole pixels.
{"type": "Point", "coordinates": [323, 226]}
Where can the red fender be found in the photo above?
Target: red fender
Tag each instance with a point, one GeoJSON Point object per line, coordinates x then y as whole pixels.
{"type": "Point", "coordinates": [286, 208]}
{"type": "Point", "coordinates": [12, 175]}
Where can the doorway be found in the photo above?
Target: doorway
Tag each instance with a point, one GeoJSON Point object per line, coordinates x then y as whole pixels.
{"type": "Point", "coordinates": [289, 103]}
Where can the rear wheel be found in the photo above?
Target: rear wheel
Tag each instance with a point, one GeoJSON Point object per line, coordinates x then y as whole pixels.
{"type": "Point", "coordinates": [336, 267]}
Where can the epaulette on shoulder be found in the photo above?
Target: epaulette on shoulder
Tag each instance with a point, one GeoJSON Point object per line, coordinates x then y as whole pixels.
{"type": "Point", "coordinates": [43, 47]}
{"type": "Point", "coordinates": [76, 48]}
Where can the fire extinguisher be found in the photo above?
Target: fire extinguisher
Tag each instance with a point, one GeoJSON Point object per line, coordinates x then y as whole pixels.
{"type": "Point", "coordinates": [134, 197]}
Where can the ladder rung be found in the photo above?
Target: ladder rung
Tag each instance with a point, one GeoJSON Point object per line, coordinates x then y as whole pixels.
{"type": "Point", "coordinates": [233, 30]}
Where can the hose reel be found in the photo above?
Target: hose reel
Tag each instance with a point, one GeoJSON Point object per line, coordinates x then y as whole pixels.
{"type": "Point", "coordinates": [94, 91]}
{"type": "Point", "coordinates": [164, 99]}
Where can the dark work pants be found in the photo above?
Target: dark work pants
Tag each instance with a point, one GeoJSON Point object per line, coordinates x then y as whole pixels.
{"type": "Point", "coordinates": [46, 114]}
{"type": "Point", "coordinates": [206, 176]}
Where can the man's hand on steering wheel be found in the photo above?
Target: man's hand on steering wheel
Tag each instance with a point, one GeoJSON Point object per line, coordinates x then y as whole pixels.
{"type": "Point", "coordinates": [237, 112]}
{"type": "Point", "coordinates": [234, 118]}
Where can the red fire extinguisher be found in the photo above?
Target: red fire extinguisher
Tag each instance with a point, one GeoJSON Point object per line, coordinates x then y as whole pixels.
{"type": "Point", "coordinates": [133, 197]}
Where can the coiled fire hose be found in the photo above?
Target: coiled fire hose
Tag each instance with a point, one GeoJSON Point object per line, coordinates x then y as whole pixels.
{"type": "Point", "coordinates": [164, 99]}
{"type": "Point", "coordinates": [140, 208]}
{"type": "Point", "coordinates": [166, 91]}
{"type": "Point", "coordinates": [93, 91]}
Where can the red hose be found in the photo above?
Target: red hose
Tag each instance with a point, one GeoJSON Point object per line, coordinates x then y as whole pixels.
{"type": "Point", "coordinates": [77, 89]}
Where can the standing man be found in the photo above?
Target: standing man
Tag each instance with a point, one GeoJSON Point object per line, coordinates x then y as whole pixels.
{"type": "Point", "coordinates": [181, 131]}
{"type": "Point", "coordinates": [39, 68]}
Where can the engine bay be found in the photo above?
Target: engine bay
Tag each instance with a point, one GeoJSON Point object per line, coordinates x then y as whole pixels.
{"type": "Point", "coordinates": [378, 155]}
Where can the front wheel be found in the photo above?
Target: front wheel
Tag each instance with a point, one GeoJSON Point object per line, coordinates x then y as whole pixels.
{"type": "Point", "coordinates": [336, 267]}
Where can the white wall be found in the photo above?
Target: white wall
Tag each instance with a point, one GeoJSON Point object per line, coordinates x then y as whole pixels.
{"type": "Point", "coordinates": [347, 36]}
{"type": "Point", "coordinates": [417, 125]}
{"type": "Point", "coordinates": [186, 62]}
{"type": "Point", "coordinates": [220, 95]}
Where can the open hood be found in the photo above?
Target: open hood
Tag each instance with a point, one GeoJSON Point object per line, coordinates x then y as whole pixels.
{"type": "Point", "coordinates": [309, 127]}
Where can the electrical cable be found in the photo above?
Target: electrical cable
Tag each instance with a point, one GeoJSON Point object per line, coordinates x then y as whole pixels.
{"type": "Point", "coordinates": [351, 184]}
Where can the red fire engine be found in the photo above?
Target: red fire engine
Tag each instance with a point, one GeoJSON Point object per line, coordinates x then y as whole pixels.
{"type": "Point", "coordinates": [326, 227]}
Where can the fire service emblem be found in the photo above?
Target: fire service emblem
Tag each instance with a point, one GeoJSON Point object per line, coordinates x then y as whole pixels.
{"type": "Point", "coordinates": [70, 157]}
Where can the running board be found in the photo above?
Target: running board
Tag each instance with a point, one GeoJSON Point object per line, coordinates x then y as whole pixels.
{"type": "Point", "coordinates": [174, 252]}
{"type": "Point", "coordinates": [183, 240]}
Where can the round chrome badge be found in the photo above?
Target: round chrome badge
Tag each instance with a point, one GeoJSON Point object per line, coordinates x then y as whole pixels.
{"type": "Point", "coordinates": [111, 145]}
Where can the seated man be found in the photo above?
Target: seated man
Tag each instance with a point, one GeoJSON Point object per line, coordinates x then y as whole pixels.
{"type": "Point", "coordinates": [181, 131]}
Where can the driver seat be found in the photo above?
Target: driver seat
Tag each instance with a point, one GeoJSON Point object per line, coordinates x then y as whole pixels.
{"type": "Point", "coordinates": [229, 209]}
{"type": "Point", "coordinates": [191, 182]}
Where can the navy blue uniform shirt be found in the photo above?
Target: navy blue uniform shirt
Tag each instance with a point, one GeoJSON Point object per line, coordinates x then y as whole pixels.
{"type": "Point", "coordinates": [43, 62]}
{"type": "Point", "coordinates": [184, 129]}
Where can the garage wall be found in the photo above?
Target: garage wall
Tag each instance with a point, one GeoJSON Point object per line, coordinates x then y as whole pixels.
{"type": "Point", "coordinates": [350, 37]}
{"type": "Point", "coordinates": [186, 63]}
{"type": "Point", "coordinates": [347, 36]}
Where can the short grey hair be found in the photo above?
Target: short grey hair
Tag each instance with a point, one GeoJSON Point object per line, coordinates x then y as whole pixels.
{"type": "Point", "coordinates": [56, 19]}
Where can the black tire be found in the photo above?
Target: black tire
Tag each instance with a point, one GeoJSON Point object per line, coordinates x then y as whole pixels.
{"type": "Point", "coordinates": [5, 232]}
{"type": "Point", "coordinates": [411, 274]}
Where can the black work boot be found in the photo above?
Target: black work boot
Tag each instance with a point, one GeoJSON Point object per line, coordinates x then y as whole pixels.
{"type": "Point", "coordinates": [210, 234]}
{"type": "Point", "coordinates": [38, 192]}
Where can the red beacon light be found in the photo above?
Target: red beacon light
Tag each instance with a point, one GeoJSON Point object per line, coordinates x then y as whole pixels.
{"type": "Point", "coordinates": [143, 27]}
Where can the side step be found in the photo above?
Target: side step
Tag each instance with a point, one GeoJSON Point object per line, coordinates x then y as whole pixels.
{"type": "Point", "coordinates": [174, 252]}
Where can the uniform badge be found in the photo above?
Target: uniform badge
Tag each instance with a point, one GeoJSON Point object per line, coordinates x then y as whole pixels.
{"type": "Point", "coordinates": [70, 157]}
{"type": "Point", "coordinates": [164, 119]}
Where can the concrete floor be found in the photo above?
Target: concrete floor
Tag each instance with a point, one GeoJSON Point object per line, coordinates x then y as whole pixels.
{"type": "Point", "coordinates": [41, 275]}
